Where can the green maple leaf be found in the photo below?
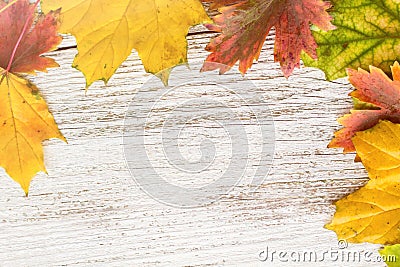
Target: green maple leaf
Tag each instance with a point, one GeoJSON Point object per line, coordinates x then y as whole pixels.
{"type": "Point", "coordinates": [368, 33]}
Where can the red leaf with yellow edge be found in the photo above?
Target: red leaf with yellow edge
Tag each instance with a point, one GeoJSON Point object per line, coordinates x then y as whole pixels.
{"type": "Point", "coordinates": [245, 25]}
{"type": "Point", "coordinates": [378, 90]}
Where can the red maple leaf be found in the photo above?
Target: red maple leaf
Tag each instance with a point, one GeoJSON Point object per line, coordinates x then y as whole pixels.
{"type": "Point", "coordinates": [382, 96]}
{"type": "Point", "coordinates": [245, 25]}
{"type": "Point", "coordinates": [24, 37]}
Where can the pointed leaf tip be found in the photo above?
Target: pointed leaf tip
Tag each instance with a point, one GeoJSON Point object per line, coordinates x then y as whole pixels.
{"type": "Point", "coordinates": [26, 123]}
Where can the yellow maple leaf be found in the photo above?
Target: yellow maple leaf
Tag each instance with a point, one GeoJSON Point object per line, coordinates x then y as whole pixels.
{"type": "Point", "coordinates": [379, 150]}
{"type": "Point", "coordinates": [24, 123]}
{"type": "Point", "coordinates": [24, 117]}
{"type": "Point", "coordinates": [372, 214]}
{"type": "Point", "coordinates": [107, 31]}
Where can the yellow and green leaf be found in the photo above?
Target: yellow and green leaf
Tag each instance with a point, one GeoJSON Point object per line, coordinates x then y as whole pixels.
{"type": "Point", "coordinates": [391, 255]}
{"type": "Point", "coordinates": [368, 33]}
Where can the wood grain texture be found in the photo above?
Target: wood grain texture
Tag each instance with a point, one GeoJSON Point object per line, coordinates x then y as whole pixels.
{"type": "Point", "coordinates": [89, 212]}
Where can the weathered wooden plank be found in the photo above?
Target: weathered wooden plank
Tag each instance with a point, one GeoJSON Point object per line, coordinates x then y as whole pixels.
{"type": "Point", "coordinates": [89, 210]}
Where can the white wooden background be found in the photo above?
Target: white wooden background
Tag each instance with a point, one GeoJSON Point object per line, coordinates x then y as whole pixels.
{"type": "Point", "coordinates": [89, 212]}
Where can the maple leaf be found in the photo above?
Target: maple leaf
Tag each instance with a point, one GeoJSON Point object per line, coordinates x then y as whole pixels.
{"type": "Point", "coordinates": [372, 214]}
{"type": "Point", "coordinates": [107, 31]}
{"type": "Point", "coordinates": [244, 27]}
{"type": "Point", "coordinates": [381, 97]}
{"type": "Point", "coordinates": [35, 42]}
{"type": "Point", "coordinates": [24, 117]}
{"type": "Point", "coordinates": [379, 149]}
{"type": "Point", "coordinates": [367, 34]}
{"type": "Point", "coordinates": [391, 255]}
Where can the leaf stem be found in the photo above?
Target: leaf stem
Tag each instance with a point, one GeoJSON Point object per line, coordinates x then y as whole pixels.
{"type": "Point", "coordinates": [21, 36]}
